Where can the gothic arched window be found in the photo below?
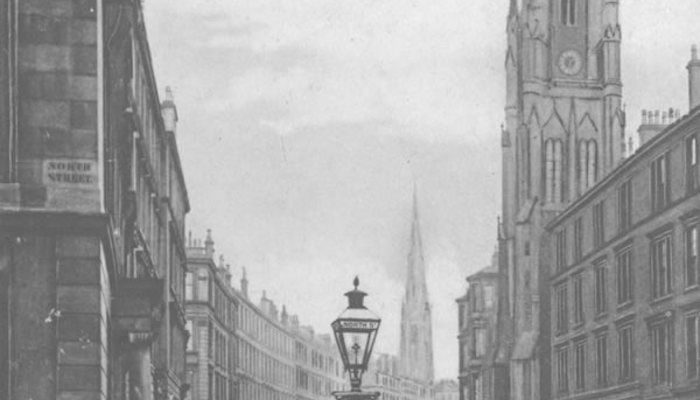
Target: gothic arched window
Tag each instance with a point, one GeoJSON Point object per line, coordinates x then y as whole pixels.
{"type": "Point", "coordinates": [588, 164]}
{"type": "Point", "coordinates": [568, 12]}
{"type": "Point", "coordinates": [553, 171]}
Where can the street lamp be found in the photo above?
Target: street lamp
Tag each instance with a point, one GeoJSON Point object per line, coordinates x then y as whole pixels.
{"type": "Point", "coordinates": [355, 331]}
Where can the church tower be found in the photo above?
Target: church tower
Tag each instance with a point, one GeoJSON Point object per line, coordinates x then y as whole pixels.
{"type": "Point", "coordinates": [563, 132]}
{"type": "Point", "coordinates": [416, 353]}
{"type": "Point", "coordinates": [564, 120]}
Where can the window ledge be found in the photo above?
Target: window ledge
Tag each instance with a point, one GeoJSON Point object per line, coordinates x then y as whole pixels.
{"type": "Point", "coordinates": [627, 304]}
{"type": "Point", "coordinates": [692, 288]}
{"type": "Point", "coordinates": [601, 315]}
{"type": "Point", "coordinates": [662, 299]}
{"type": "Point", "coordinates": [561, 332]}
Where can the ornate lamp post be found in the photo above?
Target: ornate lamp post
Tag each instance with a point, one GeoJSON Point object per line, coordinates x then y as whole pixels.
{"type": "Point", "coordinates": [355, 331]}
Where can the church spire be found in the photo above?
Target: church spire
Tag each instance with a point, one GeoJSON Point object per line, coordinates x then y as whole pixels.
{"type": "Point", "coordinates": [416, 352]}
{"type": "Point", "coordinates": [415, 279]}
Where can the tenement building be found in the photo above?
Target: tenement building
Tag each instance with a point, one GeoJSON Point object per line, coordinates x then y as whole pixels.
{"type": "Point", "coordinates": [247, 351]}
{"type": "Point", "coordinates": [564, 131]}
{"type": "Point", "coordinates": [319, 369]}
{"type": "Point", "coordinates": [446, 390]}
{"type": "Point", "coordinates": [625, 271]}
{"type": "Point", "coordinates": [384, 375]}
{"type": "Point", "coordinates": [92, 208]}
{"type": "Point", "coordinates": [477, 333]}
{"type": "Point", "coordinates": [212, 314]}
{"type": "Point", "coordinates": [278, 358]}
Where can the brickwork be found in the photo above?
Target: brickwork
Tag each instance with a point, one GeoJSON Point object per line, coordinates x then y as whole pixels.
{"type": "Point", "coordinates": [605, 312]}
{"type": "Point", "coordinates": [57, 118]}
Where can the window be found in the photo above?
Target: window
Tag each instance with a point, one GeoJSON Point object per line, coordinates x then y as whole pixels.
{"type": "Point", "coordinates": [661, 348]}
{"type": "Point", "coordinates": [599, 224]}
{"type": "Point", "coordinates": [691, 160]}
{"type": "Point", "coordinates": [588, 164]}
{"type": "Point", "coordinates": [562, 309]}
{"type": "Point", "coordinates": [626, 353]}
{"type": "Point", "coordinates": [624, 276]}
{"type": "Point", "coordinates": [693, 345]}
{"type": "Point", "coordinates": [692, 264]}
{"type": "Point", "coordinates": [601, 351]}
{"type": "Point", "coordinates": [478, 341]}
{"type": "Point", "coordinates": [580, 365]}
{"type": "Point", "coordinates": [553, 171]}
{"type": "Point", "coordinates": [601, 298]}
{"type": "Point", "coordinates": [578, 239]}
{"type": "Point", "coordinates": [624, 197]}
{"type": "Point", "coordinates": [661, 266]}
{"type": "Point", "coordinates": [660, 189]}
{"type": "Point", "coordinates": [190, 328]}
{"type": "Point", "coordinates": [577, 282]}
{"type": "Point", "coordinates": [202, 285]}
{"type": "Point", "coordinates": [475, 289]}
{"type": "Point", "coordinates": [568, 12]}
{"type": "Point", "coordinates": [560, 241]}
{"type": "Point", "coordinates": [563, 370]}
{"type": "Point", "coordinates": [189, 286]}
{"type": "Point", "coordinates": [488, 296]}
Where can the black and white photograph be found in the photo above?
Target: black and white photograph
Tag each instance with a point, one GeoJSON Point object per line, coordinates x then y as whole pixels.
{"type": "Point", "coordinates": [349, 200]}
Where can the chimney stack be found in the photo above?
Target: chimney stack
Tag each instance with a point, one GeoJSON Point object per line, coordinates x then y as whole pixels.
{"type": "Point", "coordinates": [169, 111]}
{"type": "Point", "coordinates": [694, 78]}
{"type": "Point", "coordinates": [209, 245]}
{"type": "Point", "coordinates": [244, 284]}
{"type": "Point", "coordinates": [655, 121]}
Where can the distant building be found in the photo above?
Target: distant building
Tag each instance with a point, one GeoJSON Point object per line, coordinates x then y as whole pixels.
{"type": "Point", "coordinates": [446, 390]}
{"type": "Point", "coordinates": [246, 351]}
{"type": "Point", "coordinates": [416, 347]}
{"type": "Point", "coordinates": [477, 332]}
{"type": "Point", "coordinates": [212, 315]}
{"type": "Point", "coordinates": [319, 371]}
{"type": "Point", "coordinates": [384, 376]}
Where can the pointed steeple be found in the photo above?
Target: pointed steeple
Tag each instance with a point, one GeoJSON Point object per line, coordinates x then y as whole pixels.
{"type": "Point", "coordinates": [416, 344]}
{"type": "Point", "coordinates": [415, 279]}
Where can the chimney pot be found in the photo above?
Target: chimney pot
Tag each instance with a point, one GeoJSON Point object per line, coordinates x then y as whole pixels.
{"type": "Point", "coordinates": [694, 78]}
{"type": "Point", "coordinates": [169, 111]}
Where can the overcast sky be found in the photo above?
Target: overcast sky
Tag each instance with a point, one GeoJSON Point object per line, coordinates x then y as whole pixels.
{"type": "Point", "coordinates": [304, 123]}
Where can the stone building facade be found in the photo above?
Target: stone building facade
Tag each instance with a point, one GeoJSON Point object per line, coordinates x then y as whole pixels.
{"type": "Point", "coordinates": [319, 370]}
{"type": "Point", "coordinates": [477, 333]}
{"type": "Point", "coordinates": [564, 131]}
{"type": "Point", "coordinates": [211, 310]}
{"type": "Point", "coordinates": [624, 271]}
{"type": "Point", "coordinates": [597, 245]}
{"type": "Point", "coordinates": [446, 390]}
{"type": "Point", "coordinates": [242, 350]}
{"type": "Point", "coordinates": [384, 375]}
{"type": "Point", "coordinates": [92, 208]}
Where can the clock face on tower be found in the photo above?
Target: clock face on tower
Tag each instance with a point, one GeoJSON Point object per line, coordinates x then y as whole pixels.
{"type": "Point", "coordinates": [570, 62]}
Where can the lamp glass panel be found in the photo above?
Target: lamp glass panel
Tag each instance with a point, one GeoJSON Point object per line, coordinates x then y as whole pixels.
{"type": "Point", "coordinates": [356, 343]}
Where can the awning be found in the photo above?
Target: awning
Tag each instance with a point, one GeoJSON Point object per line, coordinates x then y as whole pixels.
{"type": "Point", "coordinates": [525, 347]}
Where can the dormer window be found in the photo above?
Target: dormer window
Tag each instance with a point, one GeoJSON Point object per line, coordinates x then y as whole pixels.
{"type": "Point", "coordinates": [568, 12]}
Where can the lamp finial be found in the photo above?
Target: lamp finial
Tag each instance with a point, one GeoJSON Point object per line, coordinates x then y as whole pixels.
{"type": "Point", "coordinates": [356, 282]}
